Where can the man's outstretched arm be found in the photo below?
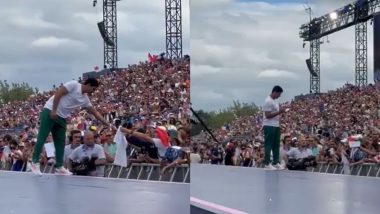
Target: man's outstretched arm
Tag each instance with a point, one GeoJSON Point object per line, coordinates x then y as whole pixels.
{"type": "Point", "coordinates": [98, 116]}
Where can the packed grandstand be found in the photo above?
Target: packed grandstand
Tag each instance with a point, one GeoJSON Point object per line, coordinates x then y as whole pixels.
{"type": "Point", "coordinates": [337, 127]}
{"type": "Point", "coordinates": [143, 97]}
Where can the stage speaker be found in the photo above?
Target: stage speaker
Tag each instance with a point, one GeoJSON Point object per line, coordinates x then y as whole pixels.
{"type": "Point", "coordinates": [312, 72]}
{"type": "Point", "coordinates": [102, 30]}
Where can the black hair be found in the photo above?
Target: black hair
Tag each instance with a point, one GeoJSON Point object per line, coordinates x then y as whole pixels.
{"type": "Point", "coordinates": [7, 138]}
{"type": "Point", "coordinates": [117, 122]}
{"type": "Point", "coordinates": [13, 143]}
{"type": "Point", "coordinates": [72, 133]}
{"type": "Point", "coordinates": [92, 82]}
{"type": "Point", "coordinates": [277, 89]}
{"type": "Point", "coordinates": [286, 137]}
{"type": "Point", "coordinates": [141, 130]}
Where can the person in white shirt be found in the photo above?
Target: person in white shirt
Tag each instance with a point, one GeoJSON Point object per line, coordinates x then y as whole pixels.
{"type": "Point", "coordinates": [301, 157]}
{"type": "Point", "coordinates": [88, 157]}
{"type": "Point", "coordinates": [69, 97]}
{"type": "Point", "coordinates": [271, 127]}
{"type": "Point", "coordinates": [75, 139]}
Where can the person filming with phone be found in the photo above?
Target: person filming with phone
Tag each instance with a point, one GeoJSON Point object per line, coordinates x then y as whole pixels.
{"type": "Point", "coordinates": [271, 127]}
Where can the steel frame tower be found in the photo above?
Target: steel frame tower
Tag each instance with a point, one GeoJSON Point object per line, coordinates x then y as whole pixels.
{"type": "Point", "coordinates": [110, 24]}
{"type": "Point", "coordinates": [315, 81]}
{"type": "Point", "coordinates": [173, 16]}
{"type": "Point", "coordinates": [361, 65]}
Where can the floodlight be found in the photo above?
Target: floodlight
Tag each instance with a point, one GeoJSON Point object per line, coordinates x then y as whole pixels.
{"type": "Point", "coordinates": [333, 15]}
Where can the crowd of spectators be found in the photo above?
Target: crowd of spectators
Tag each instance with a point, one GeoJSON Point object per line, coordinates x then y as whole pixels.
{"type": "Point", "coordinates": [149, 98]}
{"type": "Point", "coordinates": [320, 128]}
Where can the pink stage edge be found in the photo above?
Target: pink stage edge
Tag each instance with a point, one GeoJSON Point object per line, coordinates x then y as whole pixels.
{"type": "Point", "coordinates": [218, 207]}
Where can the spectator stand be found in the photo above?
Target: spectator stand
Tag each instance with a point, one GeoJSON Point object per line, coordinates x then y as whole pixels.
{"type": "Point", "coordinates": [320, 124]}
{"type": "Point", "coordinates": [141, 94]}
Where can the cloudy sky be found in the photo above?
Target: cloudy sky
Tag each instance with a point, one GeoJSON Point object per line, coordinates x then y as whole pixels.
{"type": "Point", "coordinates": [49, 42]}
{"type": "Point", "coordinates": [242, 48]}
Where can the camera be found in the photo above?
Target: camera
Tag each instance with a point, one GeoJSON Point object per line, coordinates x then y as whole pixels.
{"type": "Point", "coordinates": [85, 166]}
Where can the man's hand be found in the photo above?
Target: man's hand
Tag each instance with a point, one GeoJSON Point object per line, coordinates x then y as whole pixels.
{"type": "Point", "coordinates": [112, 127]}
{"type": "Point", "coordinates": [284, 109]}
{"type": "Point", "coordinates": [53, 115]}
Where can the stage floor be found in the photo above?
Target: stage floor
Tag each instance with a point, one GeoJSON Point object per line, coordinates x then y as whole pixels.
{"type": "Point", "coordinates": [52, 194]}
{"type": "Point", "coordinates": [223, 189]}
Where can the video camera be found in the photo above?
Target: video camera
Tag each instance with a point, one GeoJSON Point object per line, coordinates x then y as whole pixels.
{"type": "Point", "coordinates": [85, 166]}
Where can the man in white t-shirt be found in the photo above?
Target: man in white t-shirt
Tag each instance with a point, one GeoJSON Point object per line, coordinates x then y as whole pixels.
{"type": "Point", "coordinates": [271, 127]}
{"type": "Point", "coordinates": [75, 139]}
{"type": "Point", "coordinates": [89, 158]}
{"type": "Point", "coordinates": [69, 97]}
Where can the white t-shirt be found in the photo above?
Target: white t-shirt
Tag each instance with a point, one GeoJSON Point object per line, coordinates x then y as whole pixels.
{"type": "Point", "coordinates": [161, 149]}
{"type": "Point", "coordinates": [82, 151]}
{"type": "Point", "coordinates": [68, 150]}
{"type": "Point", "coordinates": [296, 153]}
{"type": "Point", "coordinates": [195, 158]}
{"type": "Point", "coordinates": [50, 150]}
{"type": "Point", "coordinates": [70, 101]}
{"type": "Point", "coordinates": [121, 146]}
{"type": "Point", "coordinates": [271, 105]}
{"type": "Point", "coordinates": [5, 155]}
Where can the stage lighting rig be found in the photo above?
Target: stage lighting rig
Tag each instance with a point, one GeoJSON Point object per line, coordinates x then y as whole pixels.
{"type": "Point", "coordinates": [354, 14]}
{"type": "Point", "coordinates": [333, 16]}
{"type": "Point", "coordinates": [344, 17]}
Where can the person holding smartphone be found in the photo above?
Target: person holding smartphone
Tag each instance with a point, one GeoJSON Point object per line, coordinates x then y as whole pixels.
{"type": "Point", "coordinates": [271, 128]}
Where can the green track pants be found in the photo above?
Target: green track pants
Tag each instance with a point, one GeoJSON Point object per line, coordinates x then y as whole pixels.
{"type": "Point", "coordinates": [271, 144]}
{"type": "Point", "coordinates": [58, 130]}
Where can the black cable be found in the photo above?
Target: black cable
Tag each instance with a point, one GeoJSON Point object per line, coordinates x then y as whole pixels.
{"type": "Point", "coordinates": [203, 124]}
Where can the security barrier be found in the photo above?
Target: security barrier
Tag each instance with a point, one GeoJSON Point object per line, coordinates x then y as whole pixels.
{"type": "Point", "coordinates": [140, 171]}
{"type": "Point", "coordinates": [365, 169]}
{"type": "Point", "coordinates": [151, 172]}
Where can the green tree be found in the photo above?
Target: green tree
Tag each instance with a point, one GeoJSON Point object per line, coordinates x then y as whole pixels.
{"type": "Point", "coordinates": [197, 128]}
{"type": "Point", "coordinates": [14, 91]}
{"type": "Point", "coordinates": [216, 119]}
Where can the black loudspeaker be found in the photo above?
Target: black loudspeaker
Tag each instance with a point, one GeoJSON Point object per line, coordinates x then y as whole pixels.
{"type": "Point", "coordinates": [312, 72]}
{"type": "Point", "coordinates": [102, 30]}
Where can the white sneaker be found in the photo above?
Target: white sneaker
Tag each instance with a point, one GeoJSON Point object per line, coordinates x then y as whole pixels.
{"type": "Point", "coordinates": [35, 167]}
{"type": "Point", "coordinates": [279, 167]}
{"type": "Point", "coordinates": [270, 167]}
{"type": "Point", "coordinates": [62, 171]}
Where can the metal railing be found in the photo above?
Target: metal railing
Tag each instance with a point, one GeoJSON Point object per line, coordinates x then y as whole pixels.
{"type": "Point", "coordinates": [137, 171]}
{"type": "Point", "coordinates": [150, 172]}
{"type": "Point", "coordinates": [365, 169]}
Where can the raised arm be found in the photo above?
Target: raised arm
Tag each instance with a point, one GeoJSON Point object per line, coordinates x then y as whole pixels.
{"type": "Point", "coordinates": [139, 135]}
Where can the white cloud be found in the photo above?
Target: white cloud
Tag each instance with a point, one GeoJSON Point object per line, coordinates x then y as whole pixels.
{"type": "Point", "coordinates": [36, 20]}
{"type": "Point", "coordinates": [49, 42]}
{"type": "Point", "coordinates": [274, 73]}
{"type": "Point", "coordinates": [200, 70]}
{"type": "Point", "coordinates": [53, 42]}
{"type": "Point", "coordinates": [256, 45]}
{"type": "Point", "coordinates": [210, 95]}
